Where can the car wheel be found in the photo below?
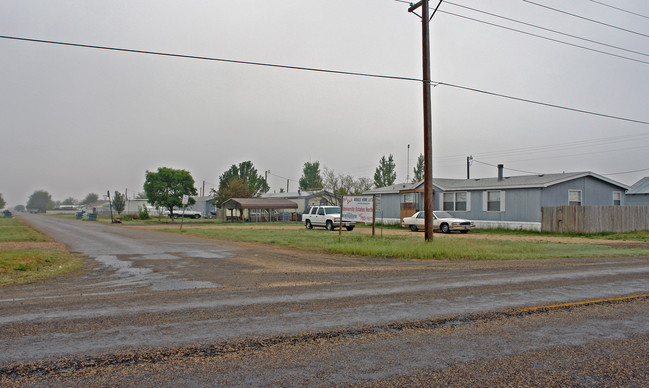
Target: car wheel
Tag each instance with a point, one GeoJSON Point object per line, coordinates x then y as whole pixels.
{"type": "Point", "coordinates": [464, 231]}
{"type": "Point", "coordinates": [349, 228]}
{"type": "Point", "coordinates": [308, 224]}
{"type": "Point", "coordinates": [445, 228]}
{"type": "Point", "coordinates": [414, 228]}
{"type": "Point", "coordinates": [197, 216]}
{"type": "Point", "coordinates": [330, 225]}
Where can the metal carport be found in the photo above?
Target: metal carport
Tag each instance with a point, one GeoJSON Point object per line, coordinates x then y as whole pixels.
{"type": "Point", "coordinates": [251, 204]}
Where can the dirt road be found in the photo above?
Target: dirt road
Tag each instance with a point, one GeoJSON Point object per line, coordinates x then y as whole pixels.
{"type": "Point", "coordinates": [157, 308]}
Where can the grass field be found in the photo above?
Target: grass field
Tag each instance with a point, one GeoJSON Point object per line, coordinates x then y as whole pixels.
{"type": "Point", "coordinates": [642, 236]}
{"type": "Point", "coordinates": [21, 263]}
{"type": "Point", "coordinates": [412, 246]}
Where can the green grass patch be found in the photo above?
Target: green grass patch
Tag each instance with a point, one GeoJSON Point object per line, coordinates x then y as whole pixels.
{"type": "Point", "coordinates": [13, 229]}
{"type": "Point", "coordinates": [11, 221]}
{"type": "Point", "coordinates": [20, 266]}
{"type": "Point", "coordinates": [412, 246]}
{"type": "Point", "coordinates": [641, 236]}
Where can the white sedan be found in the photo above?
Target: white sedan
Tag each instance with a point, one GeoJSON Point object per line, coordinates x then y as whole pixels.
{"type": "Point", "coordinates": [441, 221]}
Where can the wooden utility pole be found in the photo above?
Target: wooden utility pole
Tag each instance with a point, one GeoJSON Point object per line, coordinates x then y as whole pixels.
{"type": "Point", "coordinates": [428, 121]}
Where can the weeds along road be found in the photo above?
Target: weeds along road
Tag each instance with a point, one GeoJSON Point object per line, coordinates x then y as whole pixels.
{"type": "Point", "coordinates": [168, 309]}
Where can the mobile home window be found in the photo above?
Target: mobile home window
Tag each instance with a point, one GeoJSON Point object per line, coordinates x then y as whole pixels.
{"type": "Point", "coordinates": [617, 198]}
{"type": "Point", "coordinates": [493, 201]}
{"type": "Point", "coordinates": [455, 201]}
{"type": "Point", "coordinates": [449, 202]}
{"type": "Point", "coordinates": [574, 197]}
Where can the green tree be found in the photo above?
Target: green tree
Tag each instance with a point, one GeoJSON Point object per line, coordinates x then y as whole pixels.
{"type": "Point", "coordinates": [419, 169]}
{"type": "Point", "coordinates": [19, 208]}
{"type": "Point", "coordinates": [385, 173]}
{"type": "Point", "coordinates": [119, 202]}
{"type": "Point", "coordinates": [311, 179]}
{"type": "Point", "coordinates": [246, 173]}
{"type": "Point", "coordinates": [39, 201]}
{"type": "Point", "coordinates": [2, 202]}
{"type": "Point", "coordinates": [69, 201]}
{"type": "Point", "coordinates": [166, 187]}
{"type": "Point", "coordinates": [90, 199]}
{"type": "Point", "coordinates": [236, 189]}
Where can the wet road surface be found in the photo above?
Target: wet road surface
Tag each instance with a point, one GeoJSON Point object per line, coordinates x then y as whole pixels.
{"type": "Point", "coordinates": [323, 319]}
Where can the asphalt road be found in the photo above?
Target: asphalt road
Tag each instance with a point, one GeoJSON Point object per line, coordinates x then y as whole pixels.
{"type": "Point", "coordinates": [168, 309]}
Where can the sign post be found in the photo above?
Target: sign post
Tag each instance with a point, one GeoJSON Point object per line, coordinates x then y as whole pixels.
{"type": "Point", "coordinates": [184, 202]}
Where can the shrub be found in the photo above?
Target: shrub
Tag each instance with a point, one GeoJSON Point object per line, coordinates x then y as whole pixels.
{"type": "Point", "coordinates": [143, 213]}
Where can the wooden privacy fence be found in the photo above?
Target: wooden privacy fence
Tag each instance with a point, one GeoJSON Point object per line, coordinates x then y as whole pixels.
{"type": "Point", "coordinates": [594, 219]}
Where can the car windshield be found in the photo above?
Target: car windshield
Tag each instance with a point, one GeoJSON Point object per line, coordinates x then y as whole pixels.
{"type": "Point", "coordinates": [332, 210]}
{"type": "Point", "coordinates": [442, 215]}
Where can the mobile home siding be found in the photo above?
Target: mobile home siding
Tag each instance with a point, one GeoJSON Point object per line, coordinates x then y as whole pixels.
{"type": "Point", "coordinates": [594, 193]}
{"type": "Point", "coordinates": [521, 205]}
{"type": "Point", "coordinates": [390, 206]}
{"type": "Point", "coordinates": [637, 200]}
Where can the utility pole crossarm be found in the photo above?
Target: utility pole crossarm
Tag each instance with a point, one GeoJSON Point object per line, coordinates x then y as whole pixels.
{"type": "Point", "coordinates": [415, 6]}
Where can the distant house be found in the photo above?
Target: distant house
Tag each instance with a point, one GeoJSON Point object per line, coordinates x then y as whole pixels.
{"type": "Point", "coordinates": [638, 194]}
{"type": "Point", "coordinates": [508, 202]}
{"type": "Point", "coordinates": [304, 199]}
{"type": "Point", "coordinates": [203, 205]}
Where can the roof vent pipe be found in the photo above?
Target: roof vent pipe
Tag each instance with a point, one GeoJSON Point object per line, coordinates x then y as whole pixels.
{"type": "Point", "coordinates": [501, 167]}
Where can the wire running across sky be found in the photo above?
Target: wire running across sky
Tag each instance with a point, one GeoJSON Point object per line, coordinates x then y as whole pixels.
{"type": "Point", "coordinates": [321, 70]}
{"type": "Point", "coordinates": [587, 19]}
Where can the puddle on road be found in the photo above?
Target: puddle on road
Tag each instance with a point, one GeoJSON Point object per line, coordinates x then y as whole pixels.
{"type": "Point", "coordinates": [129, 276]}
{"type": "Point", "coordinates": [160, 256]}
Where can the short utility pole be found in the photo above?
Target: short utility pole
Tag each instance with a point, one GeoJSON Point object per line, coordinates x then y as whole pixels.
{"type": "Point", "coordinates": [428, 116]}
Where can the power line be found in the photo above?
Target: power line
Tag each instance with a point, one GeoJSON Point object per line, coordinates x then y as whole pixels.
{"type": "Point", "coordinates": [236, 61]}
{"type": "Point", "coordinates": [567, 145]}
{"type": "Point", "coordinates": [546, 38]}
{"type": "Point", "coordinates": [507, 168]}
{"type": "Point", "coordinates": [620, 9]}
{"type": "Point", "coordinates": [541, 103]}
{"type": "Point", "coordinates": [587, 19]}
{"type": "Point", "coordinates": [626, 172]}
{"type": "Point", "coordinates": [320, 70]}
{"type": "Point", "coordinates": [278, 176]}
{"type": "Point", "coordinates": [547, 29]}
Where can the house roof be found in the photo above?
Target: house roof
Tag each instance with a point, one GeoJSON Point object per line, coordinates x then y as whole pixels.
{"type": "Point", "coordinates": [513, 182]}
{"type": "Point", "coordinates": [640, 187]}
{"type": "Point", "coordinates": [395, 188]}
{"type": "Point", "coordinates": [259, 203]}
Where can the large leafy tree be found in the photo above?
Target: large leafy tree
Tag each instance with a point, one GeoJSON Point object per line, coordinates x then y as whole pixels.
{"type": "Point", "coordinates": [419, 169]}
{"type": "Point", "coordinates": [119, 202]}
{"type": "Point", "coordinates": [311, 179]}
{"type": "Point", "coordinates": [39, 201]}
{"type": "Point", "coordinates": [385, 173]}
{"type": "Point", "coordinates": [90, 199]}
{"type": "Point", "coordinates": [166, 187]}
{"type": "Point", "coordinates": [247, 174]}
{"type": "Point", "coordinates": [69, 201]}
{"type": "Point", "coordinates": [2, 202]}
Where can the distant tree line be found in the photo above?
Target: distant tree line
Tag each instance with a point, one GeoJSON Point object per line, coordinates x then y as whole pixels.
{"type": "Point", "coordinates": [165, 187]}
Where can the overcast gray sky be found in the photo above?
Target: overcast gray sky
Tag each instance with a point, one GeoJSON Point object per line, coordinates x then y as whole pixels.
{"type": "Point", "coordinates": [78, 120]}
